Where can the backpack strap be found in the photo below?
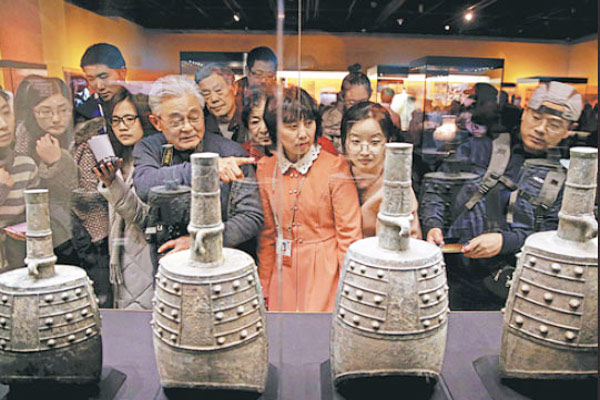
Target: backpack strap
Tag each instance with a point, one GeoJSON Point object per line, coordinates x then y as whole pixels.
{"type": "Point", "coordinates": [495, 171]}
{"type": "Point", "coordinates": [553, 182]}
{"type": "Point", "coordinates": [510, 213]}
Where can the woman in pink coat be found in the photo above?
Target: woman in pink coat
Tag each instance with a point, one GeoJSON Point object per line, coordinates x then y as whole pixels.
{"type": "Point", "coordinates": [311, 210]}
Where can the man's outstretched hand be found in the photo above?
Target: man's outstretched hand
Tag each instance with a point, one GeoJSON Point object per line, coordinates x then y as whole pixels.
{"type": "Point", "coordinates": [229, 168]}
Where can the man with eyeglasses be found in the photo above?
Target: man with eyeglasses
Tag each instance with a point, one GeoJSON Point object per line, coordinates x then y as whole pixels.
{"type": "Point", "coordinates": [216, 83]}
{"type": "Point", "coordinates": [520, 193]}
{"type": "Point", "coordinates": [105, 70]}
{"type": "Point", "coordinates": [261, 72]}
{"type": "Point", "coordinates": [177, 113]}
{"type": "Point", "coordinates": [261, 69]}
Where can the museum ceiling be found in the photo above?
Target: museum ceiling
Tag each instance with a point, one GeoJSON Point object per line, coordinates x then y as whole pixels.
{"type": "Point", "coordinates": [517, 19]}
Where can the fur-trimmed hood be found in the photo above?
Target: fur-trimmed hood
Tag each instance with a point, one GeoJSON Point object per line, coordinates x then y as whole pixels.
{"type": "Point", "coordinates": [88, 129]}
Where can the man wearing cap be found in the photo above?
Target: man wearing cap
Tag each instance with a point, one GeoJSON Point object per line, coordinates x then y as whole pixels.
{"type": "Point", "coordinates": [520, 193]}
{"type": "Point", "coordinates": [104, 68]}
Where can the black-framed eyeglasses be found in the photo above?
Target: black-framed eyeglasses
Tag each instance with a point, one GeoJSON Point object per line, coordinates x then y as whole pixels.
{"type": "Point", "coordinates": [127, 120]}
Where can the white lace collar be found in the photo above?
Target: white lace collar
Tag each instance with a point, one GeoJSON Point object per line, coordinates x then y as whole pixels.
{"type": "Point", "coordinates": [303, 164]}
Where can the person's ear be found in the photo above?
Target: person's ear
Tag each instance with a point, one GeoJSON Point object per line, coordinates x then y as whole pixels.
{"type": "Point", "coordinates": [122, 73]}
{"type": "Point", "coordinates": [156, 122]}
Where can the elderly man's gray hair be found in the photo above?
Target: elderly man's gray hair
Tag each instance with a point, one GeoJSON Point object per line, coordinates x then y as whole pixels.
{"type": "Point", "coordinates": [171, 86]}
{"type": "Point", "coordinates": [212, 68]}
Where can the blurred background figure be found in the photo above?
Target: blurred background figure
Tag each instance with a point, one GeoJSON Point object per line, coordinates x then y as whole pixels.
{"type": "Point", "coordinates": [261, 72]}
{"type": "Point", "coordinates": [387, 95]}
{"type": "Point", "coordinates": [17, 173]}
{"type": "Point", "coordinates": [356, 87]}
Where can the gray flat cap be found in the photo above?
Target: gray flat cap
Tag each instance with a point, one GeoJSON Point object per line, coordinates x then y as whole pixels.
{"type": "Point", "coordinates": [560, 94]}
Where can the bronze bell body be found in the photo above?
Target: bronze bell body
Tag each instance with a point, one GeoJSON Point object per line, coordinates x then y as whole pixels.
{"type": "Point", "coordinates": [208, 315]}
{"type": "Point", "coordinates": [550, 327]}
{"type": "Point", "coordinates": [49, 318]}
{"type": "Point", "coordinates": [390, 316]}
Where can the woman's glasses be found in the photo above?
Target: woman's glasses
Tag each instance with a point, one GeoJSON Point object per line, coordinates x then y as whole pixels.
{"type": "Point", "coordinates": [355, 146]}
{"type": "Point", "coordinates": [127, 120]}
{"type": "Point", "coordinates": [47, 112]}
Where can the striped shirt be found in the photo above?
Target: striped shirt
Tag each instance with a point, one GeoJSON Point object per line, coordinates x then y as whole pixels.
{"type": "Point", "coordinates": [24, 173]}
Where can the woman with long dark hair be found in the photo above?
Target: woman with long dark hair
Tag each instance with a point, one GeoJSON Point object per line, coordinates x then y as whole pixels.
{"type": "Point", "coordinates": [44, 133]}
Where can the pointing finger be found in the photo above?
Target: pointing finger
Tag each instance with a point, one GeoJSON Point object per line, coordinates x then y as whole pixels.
{"type": "Point", "coordinates": [244, 160]}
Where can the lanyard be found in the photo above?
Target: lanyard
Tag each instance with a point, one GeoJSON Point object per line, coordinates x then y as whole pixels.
{"type": "Point", "coordinates": [294, 208]}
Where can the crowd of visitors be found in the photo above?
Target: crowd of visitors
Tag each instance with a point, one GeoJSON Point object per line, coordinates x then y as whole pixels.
{"type": "Point", "coordinates": [298, 191]}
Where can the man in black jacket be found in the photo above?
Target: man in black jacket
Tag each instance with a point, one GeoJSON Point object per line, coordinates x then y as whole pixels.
{"type": "Point", "coordinates": [105, 70]}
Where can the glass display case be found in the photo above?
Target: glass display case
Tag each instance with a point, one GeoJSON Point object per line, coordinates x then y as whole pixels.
{"type": "Point", "coordinates": [13, 72]}
{"type": "Point", "coordinates": [447, 82]}
{"type": "Point", "coordinates": [452, 79]}
{"type": "Point", "coordinates": [387, 76]}
{"type": "Point", "coordinates": [511, 90]}
{"type": "Point", "coordinates": [408, 89]}
{"type": "Point", "coordinates": [448, 88]}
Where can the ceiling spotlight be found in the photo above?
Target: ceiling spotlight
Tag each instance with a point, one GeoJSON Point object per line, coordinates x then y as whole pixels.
{"type": "Point", "coordinates": [373, 4]}
{"type": "Point", "coordinates": [400, 21]}
{"type": "Point", "coordinates": [236, 17]}
{"type": "Point", "coordinates": [469, 16]}
{"type": "Point", "coordinates": [447, 27]}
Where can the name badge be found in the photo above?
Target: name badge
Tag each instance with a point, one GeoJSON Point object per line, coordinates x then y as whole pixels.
{"type": "Point", "coordinates": [284, 247]}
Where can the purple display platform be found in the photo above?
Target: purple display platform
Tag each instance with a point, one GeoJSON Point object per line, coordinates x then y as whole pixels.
{"type": "Point", "coordinates": [298, 345]}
